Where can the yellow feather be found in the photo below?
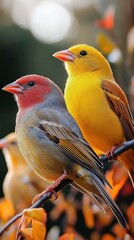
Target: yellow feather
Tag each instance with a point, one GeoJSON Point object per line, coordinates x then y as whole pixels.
{"type": "Point", "coordinates": [86, 102]}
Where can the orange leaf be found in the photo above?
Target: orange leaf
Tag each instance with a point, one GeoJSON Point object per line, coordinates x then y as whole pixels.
{"type": "Point", "coordinates": [108, 237]}
{"type": "Point", "coordinates": [36, 214]}
{"type": "Point", "coordinates": [59, 208]}
{"type": "Point", "coordinates": [88, 212]}
{"type": "Point", "coordinates": [107, 22]}
{"type": "Point", "coordinates": [7, 210]}
{"type": "Point", "coordinates": [64, 205]}
{"type": "Point", "coordinates": [105, 43]}
{"type": "Point", "coordinates": [27, 233]}
{"type": "Point", "coordinates": [33, 225]}
{"type": "Point", "coordinates": [118, 231]}
{"type": "Point", "coordinates": [39, 230]}
{"type": "Point", "coordinates": [67, 236]}
{"type": "Point", "coordinates": [117, 177]}
{"type": "Point", "coordinates": [104, 219]}
{"type": "Point", "coordinates": [71, 230]}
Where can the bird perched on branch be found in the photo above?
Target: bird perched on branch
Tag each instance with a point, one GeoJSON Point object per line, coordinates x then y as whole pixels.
{"type": "Point", "coordinates": [21, 184]}
{"type": "Point", "coordinates": [52, 143]}
{"type": "Point", "coordinates": [97, 102]}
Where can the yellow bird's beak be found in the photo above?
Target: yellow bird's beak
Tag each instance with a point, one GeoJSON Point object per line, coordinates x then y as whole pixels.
{"type": "Point", "coordinates": [64, 56]}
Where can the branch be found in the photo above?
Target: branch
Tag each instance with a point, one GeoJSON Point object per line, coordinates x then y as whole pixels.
{"type": "Point", "coordinates": [123, 148]}
{"type": "Point", "coordinates": [38, 204]}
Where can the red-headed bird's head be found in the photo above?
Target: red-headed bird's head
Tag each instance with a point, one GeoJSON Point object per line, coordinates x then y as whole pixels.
{"type": "Point", "coordinates": [30, 90]}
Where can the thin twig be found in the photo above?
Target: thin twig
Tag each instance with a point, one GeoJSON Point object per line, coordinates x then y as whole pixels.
{"type": "Point", "coordinates": [123, 148]}
{"type": "Point", "coordinates": [38, 204]}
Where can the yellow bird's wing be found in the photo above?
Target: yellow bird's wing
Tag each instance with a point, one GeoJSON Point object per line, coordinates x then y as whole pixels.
{"type": "Point", "coordinates": [119, 104]}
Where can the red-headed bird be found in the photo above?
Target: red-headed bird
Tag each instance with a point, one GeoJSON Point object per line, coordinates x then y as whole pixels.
{"type": "Point", "coordinates": [52, 142]}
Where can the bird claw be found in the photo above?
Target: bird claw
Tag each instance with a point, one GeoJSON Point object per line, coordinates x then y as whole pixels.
{"type": "Point", "coordinates": [110, 153]}
{"type": "Point", "coordinates": [38, 196]}
{"type": "Point", "coordinates": [51, 188]}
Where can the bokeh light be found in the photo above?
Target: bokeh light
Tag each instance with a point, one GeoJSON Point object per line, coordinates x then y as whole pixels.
{"type": "Point", "coordinates": [51, 21]}
{"type": "Point", "coordinates": [21, 10]}
{"type": "Point", "coordinates": [115, 56]}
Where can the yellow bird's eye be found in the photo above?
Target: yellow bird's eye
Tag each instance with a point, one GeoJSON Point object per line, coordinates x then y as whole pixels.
{"type": "Point", "coordinates": [83, 53]}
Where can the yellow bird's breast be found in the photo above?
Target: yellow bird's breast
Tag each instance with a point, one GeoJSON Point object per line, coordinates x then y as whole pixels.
{"type": "Point", "coordinates": [86, 102]}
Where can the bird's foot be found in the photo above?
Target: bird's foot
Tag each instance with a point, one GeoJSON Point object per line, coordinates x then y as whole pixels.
{"type": "Point", "coordinates": [51, 188]}
{"type": "Point", "coordinates": [110, 153]}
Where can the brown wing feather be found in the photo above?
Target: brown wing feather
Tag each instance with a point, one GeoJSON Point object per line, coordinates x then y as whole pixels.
{"type": "Point", "coordinates": [74, 147]}
{"type": "Point", "coordinates": [118, 102]}
{"type": "Point", "coordinates": [71, 144]}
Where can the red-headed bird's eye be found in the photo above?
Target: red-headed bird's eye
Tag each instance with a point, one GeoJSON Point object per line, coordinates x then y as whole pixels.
{"type": "Point", "coordinates": [31, 83]}
{"type": "Point", "coordinates": [83, 53]}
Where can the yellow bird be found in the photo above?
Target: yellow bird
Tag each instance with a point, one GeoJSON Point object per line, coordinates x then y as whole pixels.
{"type": "Point", "coordinates": [97, 102]}
{"type": "Point", "coordinates": [21, 184]}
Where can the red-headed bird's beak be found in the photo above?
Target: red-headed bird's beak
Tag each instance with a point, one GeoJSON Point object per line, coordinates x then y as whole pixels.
{"type": "Point", "coordinates": [64, 56]}
{"type": "Point", "coordinates": [13, 88]}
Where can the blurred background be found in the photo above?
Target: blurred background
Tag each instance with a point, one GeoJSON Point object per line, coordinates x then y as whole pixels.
{"type": "Point", "coordinates": [31, 31]}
